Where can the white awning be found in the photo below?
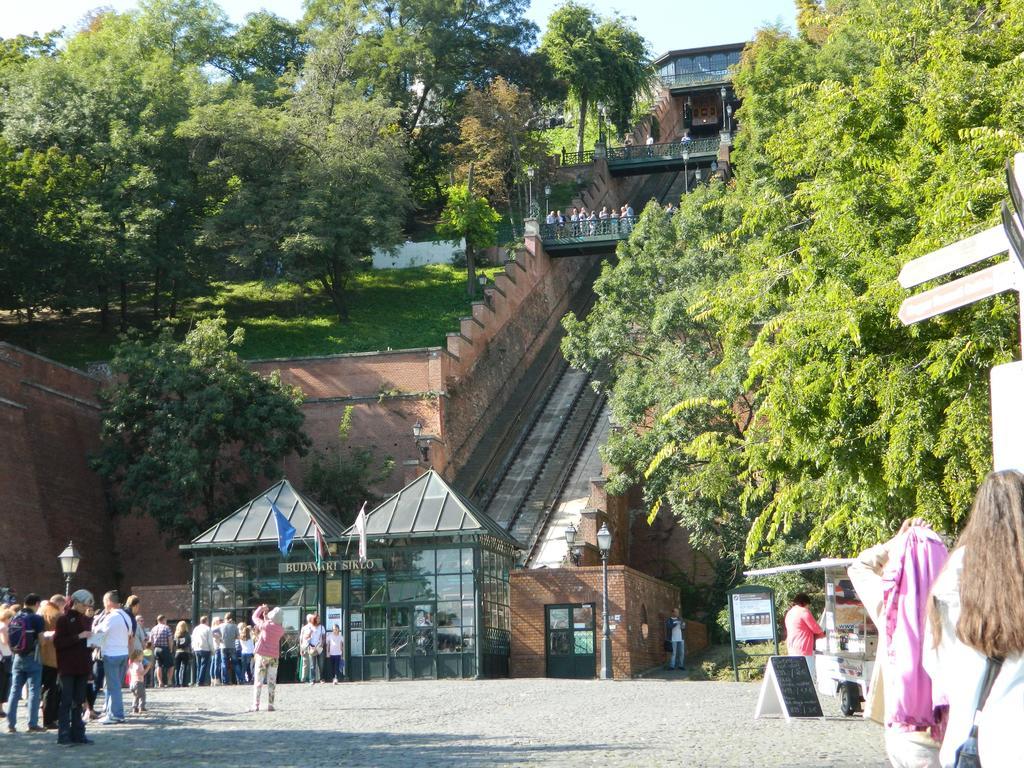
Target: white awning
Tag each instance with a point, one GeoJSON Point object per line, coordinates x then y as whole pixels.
{"type": "Point", "coordinates": [825, 562]}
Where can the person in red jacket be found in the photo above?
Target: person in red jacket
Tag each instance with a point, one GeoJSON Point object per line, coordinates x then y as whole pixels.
{"type": "Point", "coordinates": [268, 649]}
{"type": "Point", "coordinates": [74, 661]}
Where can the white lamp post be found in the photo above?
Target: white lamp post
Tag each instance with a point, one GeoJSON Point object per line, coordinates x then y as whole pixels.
{"type": "Point", "coordinates": [69, 561]}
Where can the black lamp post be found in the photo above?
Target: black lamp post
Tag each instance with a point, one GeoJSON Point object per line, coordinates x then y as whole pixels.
{"type": "Point", "coordinates": [723, 92]}
{"type": "Point", "coordinates": [686, 172]}
{"type": "Point", "coordinates": [604, 543]}
{"type": "Point", "coordinates": [69, 560]}
{"type": "Point", "coordinates": [570, 542]}
{"type": "Point", "coordinates": [547, 194]}
{"type": "Point", "coordinates": [422, 443]}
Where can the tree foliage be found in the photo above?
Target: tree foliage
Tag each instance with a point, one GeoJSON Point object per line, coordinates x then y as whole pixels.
{"type": "Point", "coordinates": [188, 427]}
{"type": "Point", "coordinates": [599, 60]}
{"type": "Point", "coordinates": [766, 388]}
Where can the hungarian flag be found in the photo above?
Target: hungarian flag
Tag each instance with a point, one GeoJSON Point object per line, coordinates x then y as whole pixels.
{"type": "Point", "coordinates": [321, 546]}
{"type": "Point", "coordinates": [285, 530]}
{"type": "Point", "coordinates": [360, 527]}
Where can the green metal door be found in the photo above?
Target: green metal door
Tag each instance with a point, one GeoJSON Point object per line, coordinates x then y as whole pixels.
{"type": "Point", "coordinates": [570, 640]}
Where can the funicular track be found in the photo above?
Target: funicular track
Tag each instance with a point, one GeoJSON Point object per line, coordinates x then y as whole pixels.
{"type": "Point", "coordinates": [529, 465]}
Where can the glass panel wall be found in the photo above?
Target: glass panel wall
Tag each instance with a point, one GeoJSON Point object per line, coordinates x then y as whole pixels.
{"type": "Point", "coordinates": [418, 617]}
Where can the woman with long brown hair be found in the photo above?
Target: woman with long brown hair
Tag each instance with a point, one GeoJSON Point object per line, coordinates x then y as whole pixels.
{"type": "Point", "coordinates": [977, 614]}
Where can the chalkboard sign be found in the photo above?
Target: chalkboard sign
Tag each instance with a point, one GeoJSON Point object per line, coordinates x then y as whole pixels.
{"type": "Point", "coordinates": [788, 689]}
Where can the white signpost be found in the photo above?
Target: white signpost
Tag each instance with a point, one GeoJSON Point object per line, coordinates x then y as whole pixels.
{"type": "Point", "coordinates": [1007, 380]}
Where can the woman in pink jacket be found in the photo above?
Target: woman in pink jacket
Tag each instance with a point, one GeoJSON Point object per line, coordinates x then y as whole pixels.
{"type": "Point", "coordinates": [267, 651]}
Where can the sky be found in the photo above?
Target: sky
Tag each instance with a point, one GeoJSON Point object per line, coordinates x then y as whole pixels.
{"type": "Point", "coordinates": [667, 24]}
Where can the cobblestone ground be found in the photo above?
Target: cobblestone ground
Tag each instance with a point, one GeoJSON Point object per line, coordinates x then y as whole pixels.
{"type": "Point", "coordinates": [472, 723]}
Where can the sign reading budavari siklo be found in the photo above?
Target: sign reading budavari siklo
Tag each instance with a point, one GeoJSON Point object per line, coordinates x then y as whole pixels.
{"type": "Point", "coordinates": [330, 566]}
{"type": "Point", "coordinates": [1007, 379]}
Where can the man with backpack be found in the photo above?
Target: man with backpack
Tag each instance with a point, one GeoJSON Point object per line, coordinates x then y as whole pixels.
{"type": "Point", "coordinates": [23, 634]}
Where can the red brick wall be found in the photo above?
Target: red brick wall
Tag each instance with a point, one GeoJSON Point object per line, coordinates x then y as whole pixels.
{"type": "Point", "coordinates": [631, 596]}
{"type": "Point", "coordinates": [49, 424]}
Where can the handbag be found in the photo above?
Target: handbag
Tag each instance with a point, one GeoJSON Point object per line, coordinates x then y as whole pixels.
{"type": "Point", "coordinates": [967, 753]}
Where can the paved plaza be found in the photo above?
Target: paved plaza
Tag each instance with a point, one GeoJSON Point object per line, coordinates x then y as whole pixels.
{"type": "Point", "coordinates": [521, 722]}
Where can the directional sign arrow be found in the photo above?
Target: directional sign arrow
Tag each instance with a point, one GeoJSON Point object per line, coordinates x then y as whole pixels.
{"type": "Point", "coordinates": [984, 245]}
{"type": "Point", "coordinates": [966, 290]}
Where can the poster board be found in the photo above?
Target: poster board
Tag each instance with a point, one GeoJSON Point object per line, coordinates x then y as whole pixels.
{"type": "Point", "coordinates": [753, 613]}
{"type": "Point", "coordinates": [788, 689]}
{"type": "Point", "coordinates": [751, 620]}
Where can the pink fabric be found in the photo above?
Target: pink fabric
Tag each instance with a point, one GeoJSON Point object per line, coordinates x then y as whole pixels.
{"type": "Point", "coordinates": [801, 629]}
{"type": "Point", "coordinates": [269, 643]}
{"type": "Point", "coordinates": [915, 559]}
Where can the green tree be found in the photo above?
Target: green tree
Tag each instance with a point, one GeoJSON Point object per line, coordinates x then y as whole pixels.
{"type": "Point", "coordinates": [599, 60]}
{"type": "Point", "coordinates": [421, 55]}
{"type": "Point", "coordinates": [472, 217]}
{"type": "Point", "coordinates": [264, 49]}
{"type": "Point", "coordinates": [188, 428]}
{"type": "Point", "coordinates": [51, 229]}
{"type": "Point", "coordinates": [860, 147]}
{"type": "Point", "coordinates": [307, 188]}
{"type": "Point", "coordinates": [494, 138]}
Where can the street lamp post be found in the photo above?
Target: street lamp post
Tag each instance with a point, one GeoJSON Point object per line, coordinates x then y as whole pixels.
{"type": "Point", "coordinates": [69, 560]}
{"type": "Point", "coordinates": [529, 194]}
{"type": "Point", "coordinates": [547, 194]}
{"type": "Point", "coordinates": [686, 172]}
{"type": "Point", "coordinates": [697, 176]}
{"type": "Point", "coordinates": [723, 92]}
{"type": "Point", "coordinates": [604, 543]}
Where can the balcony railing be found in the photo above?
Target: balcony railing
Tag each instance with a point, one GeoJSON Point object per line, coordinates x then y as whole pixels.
{"type": "Point", "coordinates": [586, 230]}
{"type": "Point", "coordinates": [670, 150]}
{"type": "Point", "coordinates": [691, 79]}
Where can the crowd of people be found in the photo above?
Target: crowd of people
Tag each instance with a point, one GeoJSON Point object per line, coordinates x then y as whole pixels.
{"type": "Point", "coordinates": [63, 653]}
{"type": "Point", "coordinates": [581, 223]}
{"type": "Point", "coordinates": [948, 679]}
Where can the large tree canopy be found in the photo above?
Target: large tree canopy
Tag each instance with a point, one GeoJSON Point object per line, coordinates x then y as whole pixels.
{"type": "Point", "coordinates": [188, 428]}
{"type": "Point", "coordinates": [763, 382]}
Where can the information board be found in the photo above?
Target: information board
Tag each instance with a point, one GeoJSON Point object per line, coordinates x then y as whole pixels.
{"type": "Point", "coordinates": [788, 689]}
{"type": "Point", "coordinates": [752, 616]}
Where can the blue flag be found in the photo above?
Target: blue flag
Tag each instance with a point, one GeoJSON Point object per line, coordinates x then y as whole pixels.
{"type": "Point", "coordinates": [285, 530]}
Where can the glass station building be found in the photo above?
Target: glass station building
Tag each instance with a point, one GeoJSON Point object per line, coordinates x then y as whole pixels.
{"type": "Point", "coordinates": [431, 599]}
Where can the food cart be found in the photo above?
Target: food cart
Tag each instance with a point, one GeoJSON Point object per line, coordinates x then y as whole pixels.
{"type": "Point", "coordinates": [845, 656]}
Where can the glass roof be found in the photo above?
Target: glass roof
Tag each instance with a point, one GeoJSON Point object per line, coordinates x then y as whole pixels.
{"type": "Point", "coordinates": [428, 506]}
{"type": "Point", "coordinates": [253, 522]}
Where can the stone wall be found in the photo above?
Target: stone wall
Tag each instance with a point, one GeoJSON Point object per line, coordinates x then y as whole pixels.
{"type": "Point", "coordinates": [641, 603]}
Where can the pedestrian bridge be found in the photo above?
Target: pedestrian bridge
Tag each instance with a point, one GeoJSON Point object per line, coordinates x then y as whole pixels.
{"type": "Point", "coordinates": [585, 238]}
{"type": "Point", "coordinates": [651, 158]}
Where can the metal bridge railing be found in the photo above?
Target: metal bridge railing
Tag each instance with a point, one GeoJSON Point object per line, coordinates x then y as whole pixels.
{"type": "Point", "coordinates": [674, 149]}
{"type": "Point", "coordinates": [687, 79]}
{"type": "Point", "coordinates": [586, 230]}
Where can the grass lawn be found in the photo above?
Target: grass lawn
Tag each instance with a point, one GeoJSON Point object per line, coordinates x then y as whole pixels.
{"type": "Point", "coordinates": [389, 308]}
